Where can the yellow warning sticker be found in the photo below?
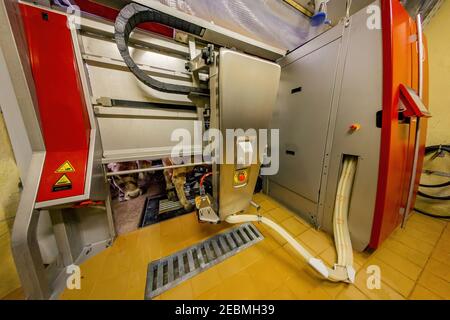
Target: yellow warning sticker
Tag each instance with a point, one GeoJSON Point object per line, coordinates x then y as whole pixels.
{"type": "Point", "coordinates": [63, 181]}
{"type": "Point", "coordinates": [62, 184]}
{"type": "Point", "coordinates": [66, 167]}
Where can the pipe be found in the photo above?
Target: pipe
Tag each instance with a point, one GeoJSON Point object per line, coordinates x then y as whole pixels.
{"type": "Point", "coordinates": [432, 215]}
{"type": "Point", "coordinates": [412, 182]}
{"type": "Point", "coordinates": [340, 218]}
{"type": "Point", "coordinates": [343, 271]}
{"type": "Point", "coordinates": [154, 169]}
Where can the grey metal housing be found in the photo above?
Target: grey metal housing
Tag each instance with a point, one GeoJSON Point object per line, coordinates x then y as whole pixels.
{"type": "Point", "coordinates": [340, 75]}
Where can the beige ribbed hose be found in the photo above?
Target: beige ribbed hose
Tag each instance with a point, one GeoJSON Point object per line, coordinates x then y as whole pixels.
{"type": "Point", "coordinates": [343, 270]}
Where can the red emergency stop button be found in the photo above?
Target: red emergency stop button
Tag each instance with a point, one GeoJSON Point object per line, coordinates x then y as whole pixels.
{"type": "Point", "coordinates": [355, 127]}
{"type": "Point", "coordinates": [240, 177]}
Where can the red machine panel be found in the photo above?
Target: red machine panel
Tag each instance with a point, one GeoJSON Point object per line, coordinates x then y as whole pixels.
{"type": "Point", "coordinates": [401, 63]}
{"type": "Point", "coordinates": [62, 109]}
{"type": "Point", "coordinates": [111, 14]}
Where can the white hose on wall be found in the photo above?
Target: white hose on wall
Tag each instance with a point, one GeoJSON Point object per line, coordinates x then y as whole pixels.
{"type": "Point", "coordinates": [343, 270]}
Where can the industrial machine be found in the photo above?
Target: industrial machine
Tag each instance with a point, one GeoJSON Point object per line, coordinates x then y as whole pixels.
{"type": "Point", "coordinates": [97, 85]}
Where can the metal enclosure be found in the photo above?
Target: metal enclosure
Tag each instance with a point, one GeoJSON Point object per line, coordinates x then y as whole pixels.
{"type": "Point", "coordinates": [304, 104]}
{"type": "Point", "coordinates": [248, 89]}
{"type": "Point", "coordinates": [124, 121]}
{"type": "Point", "coordinates": [328, 85]}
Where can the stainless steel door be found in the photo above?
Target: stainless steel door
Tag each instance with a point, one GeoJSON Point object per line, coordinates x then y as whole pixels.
{"type": "Point", "coordinates": [248, 91]}
{"type": "Point", "coordinates": [303, 115]}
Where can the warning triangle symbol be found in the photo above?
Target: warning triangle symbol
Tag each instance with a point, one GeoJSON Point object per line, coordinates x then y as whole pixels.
{"type": "Point", "coordinates": [63, 181]}
{"type": "Point", "coordinates": [66, 167]}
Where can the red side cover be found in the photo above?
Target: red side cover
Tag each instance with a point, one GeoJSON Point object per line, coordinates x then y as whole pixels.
{"type": "Point", "coordinates": [62, 109]}
{"type": "Point", "coordinates": [111, 14]}
{"type": "Point", "coordinates": [400, 66]}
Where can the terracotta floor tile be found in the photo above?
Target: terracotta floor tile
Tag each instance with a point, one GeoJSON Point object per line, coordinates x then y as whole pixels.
{"type": "Point", "coordinates": [385, 292]}
{"type": "Point", "coordinates": [397, 262]}
{"type": "Point", "coordinates": [280, 214]}
{"type": "Point", "coordinates": [412, 255]}
{"type": "Point", "coordinates": [394, 278]}
{"type": "Point", "coordinates": [205, 281]}
{"type": "Point", "coordinates": [422, 293]}
{"type": "Point", "coordinates": [442, 270]}
{"type": "Point", "coordinates": [316, 240]}
{"type": "Point", "coordinates": [269, 273]}
{"type": "Point", "coordinates": [435, 284]}
{"type": "Point", "coordinates": [281, 293]}
{"type": "Point", "coordinates": [271, 269]}
{"type": "Point", "coordinates": [351, 293]}
{"type": "Point", "coordinates": [238, 287]}
{"type": "Point", "coordinates": [294, 226]}
{"type": "Point", "coordinates": [183, 291]}
{"type": "Point", "coordinates": [111, 289]}
{"type": "Point", "coordinates": [230, 267]}
{"type": "Point", "coordinates": [412, 242]}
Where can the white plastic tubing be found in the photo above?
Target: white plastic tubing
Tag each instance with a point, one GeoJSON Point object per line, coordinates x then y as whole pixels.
{"type": "Point", "coordinates": [343, 270]}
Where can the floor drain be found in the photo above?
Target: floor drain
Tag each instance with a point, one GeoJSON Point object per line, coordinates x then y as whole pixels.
{"type": "Point", "coordinates": [169, 272]}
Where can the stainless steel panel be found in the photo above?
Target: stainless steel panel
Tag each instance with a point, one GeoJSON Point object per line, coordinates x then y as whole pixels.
{"type": "Point", "coordinates": [303, 119]}
{"type": "Point", "coordinates": [123, 85]}
{"type": "Point", "coordinates": [103, 61]}
{"type": "Point", "coordinates": [25, 246]}
{"type": "Point", "coordinates": [14, 122]}
{"type": "Point", "coordinates": [17, 94]}
{"type": "Point", "coordinates": [132, 133]}
{"type": "Point", "coordinates": [302, 206]}
{"type": "Point", "coordinates": [360, 99]}
{"type": "Point", "coordinates": [248, 88]}
{"type": "Point", "coordinates": [140, 137]}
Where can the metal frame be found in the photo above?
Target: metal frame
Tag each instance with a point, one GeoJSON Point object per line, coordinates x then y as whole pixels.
{"type": "Point", "coordinates": [24, 242]}
{"type": "Point", "coordinates": [38, 282]}
{"type": "Point", "coordinates": [308, 209]}
{"type": "Point", "coordinates": [95, 149]}
{"type": "Point", "coordinates": [344, 111]}
{"type": "Point", "coordinates": [218, 35]}
{"type": "Point", "coordinates": [412, 183]}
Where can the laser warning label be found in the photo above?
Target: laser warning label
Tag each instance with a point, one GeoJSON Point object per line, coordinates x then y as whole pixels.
{"type": "Point", "coordinates": [62, 184]}
{"type": "Point", "coordinates": [66, 167]}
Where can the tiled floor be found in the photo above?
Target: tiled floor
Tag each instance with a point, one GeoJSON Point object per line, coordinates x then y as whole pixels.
{"type": "Point", "coordinates": [414, 263]}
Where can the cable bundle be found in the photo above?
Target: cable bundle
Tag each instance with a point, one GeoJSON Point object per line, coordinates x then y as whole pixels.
{"type": "Point", "coordinates": [437, 150]}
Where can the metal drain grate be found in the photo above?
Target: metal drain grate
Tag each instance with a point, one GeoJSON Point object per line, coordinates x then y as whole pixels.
{"type": "Point", "coordinates": [168, 272]}
{"type": "Point", "coordinates": [168, 206]}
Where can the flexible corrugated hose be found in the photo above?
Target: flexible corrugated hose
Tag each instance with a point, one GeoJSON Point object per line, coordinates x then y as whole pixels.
{"type": "Point", "coordinates": [343, 271]}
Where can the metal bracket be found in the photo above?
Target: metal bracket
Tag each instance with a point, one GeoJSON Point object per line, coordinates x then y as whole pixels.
{"type": "Point", "coordinates": [203, 60]}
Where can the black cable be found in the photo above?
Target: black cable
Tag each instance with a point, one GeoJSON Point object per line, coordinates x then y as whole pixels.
{"type": "Point", "coordinates": [130, 17]}
{"type": "Point", "coordinates": [439, 149]}
{"type": "Point", "coordinates": [424, 195]}
{"type": "Point", "coordinates": [442, 185]}
{"type": "Point", "coordinates": [431, 214]}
